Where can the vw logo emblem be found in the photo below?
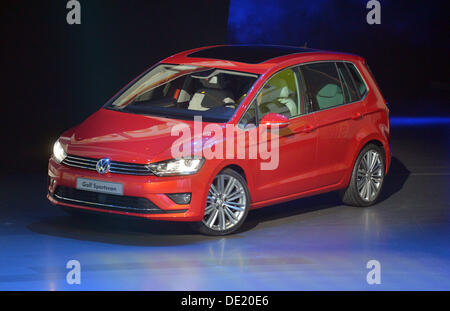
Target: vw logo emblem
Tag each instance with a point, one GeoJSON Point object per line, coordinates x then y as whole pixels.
{"type": "Point", "coordinates": [103, 165]}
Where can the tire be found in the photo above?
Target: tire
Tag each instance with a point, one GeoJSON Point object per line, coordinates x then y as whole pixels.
{"type": "Point", "coordinates": [365, 185]}
{"type": "Point", "coordinates": [223, 217]}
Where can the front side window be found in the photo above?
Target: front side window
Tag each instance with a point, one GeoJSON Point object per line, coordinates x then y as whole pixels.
{"type": "Point", "coordinates": [185, 91]}
{"type": "Point", "coordinates": [280, 95]}
{"type": "Point", "coordinates": [249, 120]}
{"type": "Point", "coordinates": [323, 85]}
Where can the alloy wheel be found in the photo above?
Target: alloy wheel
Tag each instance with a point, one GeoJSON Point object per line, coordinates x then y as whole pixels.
{"type": "Point", "coordinates": [369, 175]}
{"type": "Point", "coordinates": [225, 204]}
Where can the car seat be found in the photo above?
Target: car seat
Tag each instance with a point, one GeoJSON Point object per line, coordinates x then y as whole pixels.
{"type": "Point", "coordinates": [213, 93]}
{"type": "Point", "coordinates": [329, 96]}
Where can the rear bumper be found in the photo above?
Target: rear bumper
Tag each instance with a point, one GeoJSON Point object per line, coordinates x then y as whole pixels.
{"type": "Point", "coordinates": [151, 190]}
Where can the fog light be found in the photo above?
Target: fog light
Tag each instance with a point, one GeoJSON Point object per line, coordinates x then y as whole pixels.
{"type": "Point", "coordinates": [180, 198]}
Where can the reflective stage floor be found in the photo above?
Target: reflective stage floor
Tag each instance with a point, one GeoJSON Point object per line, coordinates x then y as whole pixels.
{"type": "Point", "coordinates": [308, 244]}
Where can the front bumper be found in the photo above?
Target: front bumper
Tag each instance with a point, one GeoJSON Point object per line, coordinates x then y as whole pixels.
{"type": "Point", "coordinates": [148, 192]}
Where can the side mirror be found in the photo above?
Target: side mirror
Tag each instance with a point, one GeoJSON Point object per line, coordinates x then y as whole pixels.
{"type": "Point", "coordinates": [273, 119]}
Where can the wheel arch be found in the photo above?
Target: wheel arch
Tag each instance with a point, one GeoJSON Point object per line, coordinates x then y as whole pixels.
{"type": "Point", "coordinates": [371, 139]}
{"type": "Point", "coordinates": [238, 169]}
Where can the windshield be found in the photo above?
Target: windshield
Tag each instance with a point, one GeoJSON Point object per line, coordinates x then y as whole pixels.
{"type": "Point", "coordinates": [184, 91]}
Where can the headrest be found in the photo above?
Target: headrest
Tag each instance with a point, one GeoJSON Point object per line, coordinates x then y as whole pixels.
{"type": "Point", "coordinates": [329, 90]}
{"type": "Point", "coordinates": [284, 91]}
{"type": "Point", "coordinates": [214, 82]}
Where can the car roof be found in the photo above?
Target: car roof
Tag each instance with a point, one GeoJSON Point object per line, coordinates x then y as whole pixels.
{"type": "Point", "coordinates": [253, 58]}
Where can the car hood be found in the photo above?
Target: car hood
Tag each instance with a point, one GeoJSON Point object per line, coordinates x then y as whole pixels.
{"type": "Point", "coordinates": [125, 137]}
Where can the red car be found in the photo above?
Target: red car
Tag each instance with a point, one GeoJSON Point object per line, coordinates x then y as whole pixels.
{"type": "Point", "coordinates": [210, 133]}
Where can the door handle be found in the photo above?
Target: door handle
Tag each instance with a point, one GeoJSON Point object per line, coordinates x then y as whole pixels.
{"type": "Point", "coordinates": [357, 116]}
{"type": "Point", "coordinates": [305, 129]}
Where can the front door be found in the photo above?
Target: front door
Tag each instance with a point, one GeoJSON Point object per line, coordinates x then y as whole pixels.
{"type": "Point", "coordinates": [294, 171]}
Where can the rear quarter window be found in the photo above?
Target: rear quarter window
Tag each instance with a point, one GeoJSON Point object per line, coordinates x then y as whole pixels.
{"type": "Point", "coordinates": [350, 93]}
{"type": "Point", "coordinates": [360, 85]}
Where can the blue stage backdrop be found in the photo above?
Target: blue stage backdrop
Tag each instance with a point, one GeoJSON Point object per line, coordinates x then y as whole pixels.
{"type": "Point", "coordinates": [409, 30]}
{"type": "Point", "coordinates": [328, 23]}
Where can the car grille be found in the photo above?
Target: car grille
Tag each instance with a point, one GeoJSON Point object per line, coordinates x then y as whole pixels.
{"type": "Point", "coordinates": [116, 167]}
{"type": "Point", "coordinates": [106, 201]}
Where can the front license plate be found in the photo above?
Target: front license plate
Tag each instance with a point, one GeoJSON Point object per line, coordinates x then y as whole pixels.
{"type": "Point", "coordinates": [99, 186]}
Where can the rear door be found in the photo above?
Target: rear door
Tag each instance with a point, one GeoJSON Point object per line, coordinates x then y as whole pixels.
{"type": "Point", "coordinates": [338, 114]}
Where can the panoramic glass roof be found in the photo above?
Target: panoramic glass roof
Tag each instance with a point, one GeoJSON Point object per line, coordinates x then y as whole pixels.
{"type": "Point", "coordinates": [251, 54]}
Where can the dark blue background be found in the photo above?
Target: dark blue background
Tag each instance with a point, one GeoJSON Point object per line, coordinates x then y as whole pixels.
{"type": "Point", "coordinates": [408, 50]}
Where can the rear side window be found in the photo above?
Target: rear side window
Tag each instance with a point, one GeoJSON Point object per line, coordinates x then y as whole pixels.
{"type": "Point", "coordinates": [350, 94]}
{"type": "Point", "coordinates": [361, 87]}
{"type": "Point", "coordinates": [323, 85]}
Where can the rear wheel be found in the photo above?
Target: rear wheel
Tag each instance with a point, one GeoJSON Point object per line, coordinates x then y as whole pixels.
{"type": "Point", "coordinates": [227, 204]}
{"type": "Point", "coordinates": [367, 177]}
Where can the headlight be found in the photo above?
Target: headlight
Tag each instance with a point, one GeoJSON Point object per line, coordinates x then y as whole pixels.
{"type": "Point", "coordinates": [58, 152]}
{"type": "Point", "coordinates": [185, 166]}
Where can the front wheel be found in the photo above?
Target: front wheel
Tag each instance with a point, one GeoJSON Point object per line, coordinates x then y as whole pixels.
{"type": "Point", "coordinates": [367, 177]}
{"type": "Point", "coordinates": [227, 204]}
